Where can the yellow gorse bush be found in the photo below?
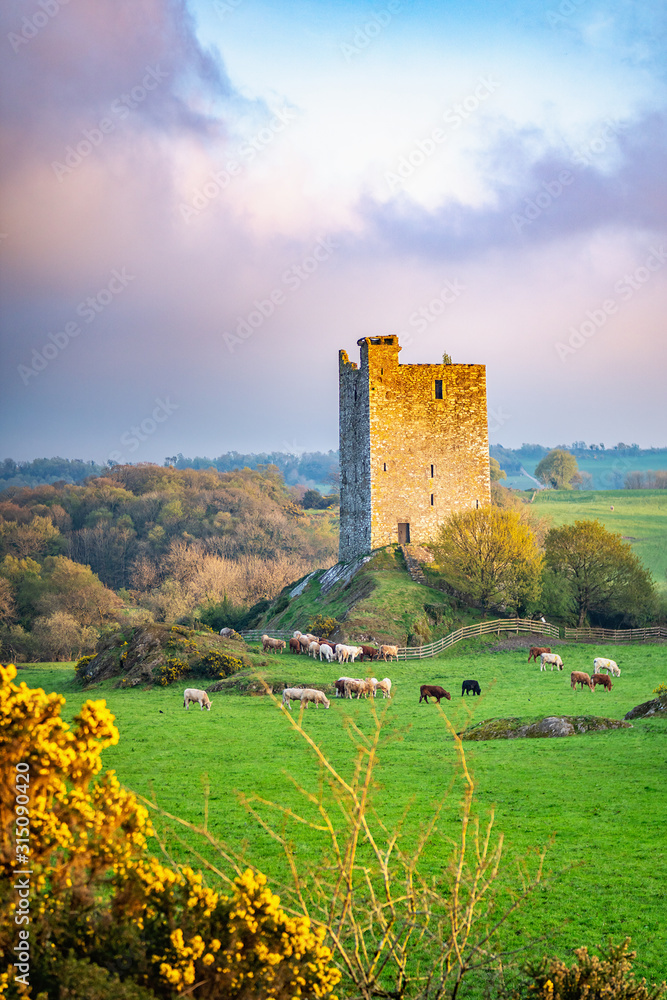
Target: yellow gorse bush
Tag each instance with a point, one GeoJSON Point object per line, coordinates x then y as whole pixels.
{"type": "Point", "coordinates": [98, 894]}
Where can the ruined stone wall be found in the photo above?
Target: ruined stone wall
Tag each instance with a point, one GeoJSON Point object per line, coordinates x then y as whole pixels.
{"type": "Point", "coordinates": [355, 494]}
{"type": "Point", "coordinates": [406, 456]}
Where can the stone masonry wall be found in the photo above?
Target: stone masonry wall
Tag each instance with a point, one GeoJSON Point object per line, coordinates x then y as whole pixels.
{"type": "Point", "coordinates": [355, 496]}
{"type": "Point", "coordinates": [407, 457]}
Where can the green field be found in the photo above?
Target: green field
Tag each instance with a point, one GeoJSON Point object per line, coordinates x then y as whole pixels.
{"type": "Point", "coordinates": [640, 516]}
{"type": "Point", "coordinates": [607, 468]}
{"type": "Point", "coordinates": [602, 796]}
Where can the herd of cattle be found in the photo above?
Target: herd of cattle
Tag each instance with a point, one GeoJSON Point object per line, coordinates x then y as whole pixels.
{"type": "Point", "coordinates": [347, 687]}
{"type": "Point", "coordinates": [600, 664]}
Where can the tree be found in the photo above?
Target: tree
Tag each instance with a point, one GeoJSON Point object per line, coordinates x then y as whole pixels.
{"type": "Point", "coordinates": [601, 573]}
{"type": "Point", "coordinates": [491, 556]}
{"type": "Point", "coordinates": [557, 469]}
{"type": "Point", "coordinates": [495, 471]}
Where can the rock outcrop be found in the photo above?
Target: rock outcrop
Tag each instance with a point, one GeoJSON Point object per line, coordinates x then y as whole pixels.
{"type": "Point", "coordinates": [654, 707]}
{"type": "Point", "coordinates": [549, 727]}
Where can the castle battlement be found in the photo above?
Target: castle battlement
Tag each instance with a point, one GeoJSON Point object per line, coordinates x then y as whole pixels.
{"type": "Point", "coordinates": [413, 446]}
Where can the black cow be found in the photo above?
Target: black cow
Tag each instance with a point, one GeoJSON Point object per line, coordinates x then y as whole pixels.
{"type": "Point", "coordinates": [469, 686]}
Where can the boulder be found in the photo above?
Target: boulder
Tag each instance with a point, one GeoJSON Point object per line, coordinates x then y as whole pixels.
{"type": "Point", "coordinates": [654, 707]}
{"type": "Point", "coordinates": [551, 726]}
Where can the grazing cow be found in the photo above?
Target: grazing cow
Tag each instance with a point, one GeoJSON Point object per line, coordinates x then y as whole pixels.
{"type": "Point", "coordinates": [297, 634]}
{"type": "Point", "coordinates": [603, 680]}
{"type": "Point", "coordinates": [355, 651]}
{"type": "Point", "coordinates": [536, 651]}
{"type": "Point", "coordinates": [305, 643]}
{"type": "Point", "coordinates": [469, 686]}
{"type": "Point", "coordinates": [291, 694]}
{"type": "Point", "coordinates": [317, 697]}
{"type": "Point", "coordinates": [340, 686]}
{"type": "Point", "coordinates": [358, 687]}
{"type": "Point", "coordinates": [194, 694]}
{"type": "Point", "coordinates": [352, 686]}
{"type": "Point", "coordinates": [553, 659]}
{"type": "Point", "coordinates": [342, 653]}
{"type": "Point", "coordinates": [434, 691]}
{"type": "Point", "coordinates": [295, 646]}
{"type": "Point", "coordinates": [326, 652]}
{"type": "Point", "coordinates": [388, 651]}
{"type": "Point", "coordinates": [270, 645]}
{"type": "Point", "coordinates": [579, 677]}
{"type": "Point", "coordinates": [370, 652]}
{"type": "Point", "coordinates": [385, 686]}
{"type": "Point", "coordinates": [314, 649]}
{"type": "Point", "coordinates": [600, 664]}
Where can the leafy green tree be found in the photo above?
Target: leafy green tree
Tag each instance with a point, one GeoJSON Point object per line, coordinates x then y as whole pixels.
{"type": "Point", "coordinates": [557, 469]}
{"type": "Point", "coordinates": [495, 471]}
{"type": "Point", "coordinates": [490, 555]}
{"type": "Point", "coordinates": [600, 574]}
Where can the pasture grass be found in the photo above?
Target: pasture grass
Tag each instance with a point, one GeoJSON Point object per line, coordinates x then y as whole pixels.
{"type": "Point", "coordinates": [602, 797]}
{"type": "Point", "coordinates": [640, 516]}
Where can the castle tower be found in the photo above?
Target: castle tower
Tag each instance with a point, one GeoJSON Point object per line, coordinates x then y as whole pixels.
{"type": "Point", "coordinates": [414, 446]}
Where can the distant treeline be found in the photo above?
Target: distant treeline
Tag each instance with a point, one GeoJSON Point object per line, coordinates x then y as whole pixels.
{"type": "Point", "coordinates": [309, 468]}
{"type": "Point", "coordinates": [43, 471]}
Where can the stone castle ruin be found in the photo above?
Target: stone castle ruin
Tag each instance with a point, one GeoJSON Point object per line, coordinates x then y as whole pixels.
{"type": "Point", "coordinates": [413, 447]}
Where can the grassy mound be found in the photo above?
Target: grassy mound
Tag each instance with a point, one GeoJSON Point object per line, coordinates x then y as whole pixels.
{"type": "Point", "coordinates": [162, 654]}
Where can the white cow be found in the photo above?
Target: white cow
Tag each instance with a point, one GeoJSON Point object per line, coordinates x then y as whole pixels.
{"type": "Point", "coordinates": [553, 659]}
{"type": "Point", "coordinates": [194, 694]}
{"type": "Point", "coordinates": [326, 652]}
{"type": "Point", "coordinates": [317, 697]}
{"type": "Point", "coordinates": [385, 686]}
{"type": "Point", "coordinates": [600, 664]}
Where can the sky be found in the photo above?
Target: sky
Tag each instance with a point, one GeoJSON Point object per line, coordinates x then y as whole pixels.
{"type": "Point", "coordinates": [203, 201]}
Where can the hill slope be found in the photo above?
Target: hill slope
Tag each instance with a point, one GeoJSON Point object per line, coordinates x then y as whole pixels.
{"type": "Point", "coordinates": [375, 600]}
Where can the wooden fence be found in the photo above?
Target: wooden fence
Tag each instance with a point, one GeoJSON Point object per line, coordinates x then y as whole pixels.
{"type": "Point", "coordinates": [502, 625]}
{"type": "Point", "coordinates": [481, 628]}
{"type": "Point", "coordinates": [616, 634]}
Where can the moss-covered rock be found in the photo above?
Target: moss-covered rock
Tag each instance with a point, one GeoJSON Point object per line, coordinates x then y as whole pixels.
{"type": "Point", "coordinates": [549, 727]}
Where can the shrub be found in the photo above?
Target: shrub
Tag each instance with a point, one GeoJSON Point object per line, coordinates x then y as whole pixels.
{"type": "Point", "coordinates": [661, 689]}
{"type": "Point", "coordinates": [217, 664]}
{"type": "Point", "coordinates": [83, 662]}
{"type": "Point", "coordinates": [172, 670]}
{"type": "Point", "coordinates": [610, 977]}
{"type": "Point", "coordinates": [323, 625]}
{"type": "Point", "coordinates": [98, 894]}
